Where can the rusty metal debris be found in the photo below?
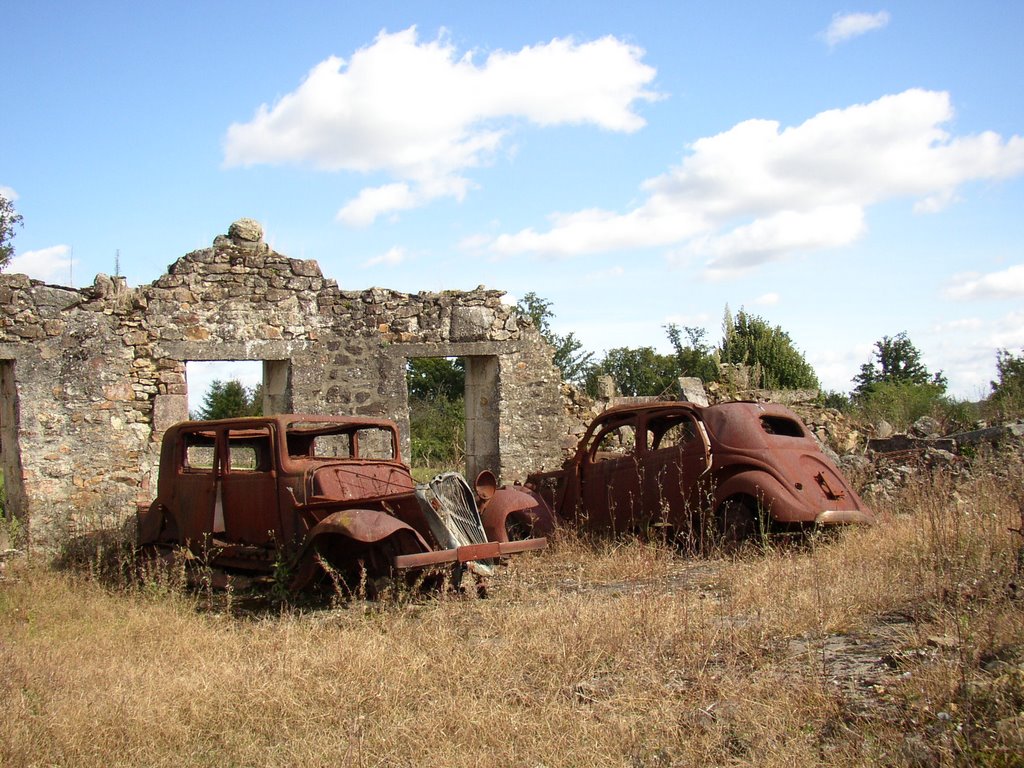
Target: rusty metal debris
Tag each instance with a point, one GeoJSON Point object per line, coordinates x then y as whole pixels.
{"type": "Point", "coordinates": [686, 470]}
{"type": "Point", "coordinates": [324, 496]}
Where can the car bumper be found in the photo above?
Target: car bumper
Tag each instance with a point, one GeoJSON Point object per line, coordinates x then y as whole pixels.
{"type": "Point", "coordinates": [487, 551]}
{"type": "Point", "coordinates": [844, 517]}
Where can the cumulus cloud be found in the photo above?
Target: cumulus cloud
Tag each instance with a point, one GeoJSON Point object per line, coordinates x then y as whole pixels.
{"type": "Point", "coordinates": [8, 193]}
{"type": "Point", "coordinates": [772, 237]}
{"type": "Point", "coordinates": [759, 192]}
{"type": "Point", "coordinates": [392, 258]}
{"type": "Point", "coordinates": [423, 114]}
{"type": "Point", "coordinates": [846, 26]}
{"type": "Point", "coordinates": [47, 264]}
{"type": "Point", "coordinates": [1006, 284]}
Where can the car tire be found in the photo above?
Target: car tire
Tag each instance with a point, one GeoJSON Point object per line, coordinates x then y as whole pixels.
{"type": "Point", "coordinates": [737, 523]}
{"type": "Point", "coordinates": [518, 529]}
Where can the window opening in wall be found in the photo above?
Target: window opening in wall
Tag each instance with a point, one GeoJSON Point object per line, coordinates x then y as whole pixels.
{"type": "Point", "coordinates": [437, 415]}
{"type": "Point", "coordinates": [226, 388]}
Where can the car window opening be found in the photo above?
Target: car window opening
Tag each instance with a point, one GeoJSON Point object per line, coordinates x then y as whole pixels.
{"type": "Point", "coordinates": [781, 426]}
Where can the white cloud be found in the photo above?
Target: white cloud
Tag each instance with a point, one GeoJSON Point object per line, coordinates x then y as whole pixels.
{"type": "Point", "coordinates": [846, 26]}
{"type": "Point", "coordinates": [8, 193]}
{"type": "Point", "coordinates": [391, 198]}
{"type": "Point", "coordinates": [1009, 332]}
{"type": "Point", "coordinates": [772, 237]}
{"type": "Point", "coordinates": [937, 202]}
{"type": "Point", "coordinates": [1006, 284]}
{"type": "Point", "coordinates": [423, 114]}
{"type": "Point", "coordinates": [759, 192]}
{"type": "Point", "coordinates": [766, 300]}
{"type": "Point", "coordinates": [47, 264]}
{"type": "Point", "coordinates": [475, 244]}
{"type": "Point", "coordinates": [835, 367]}
{"type": "Point", "coordinates": [392, 258]}
{"type": "Point", "coordinates": [964, 324]}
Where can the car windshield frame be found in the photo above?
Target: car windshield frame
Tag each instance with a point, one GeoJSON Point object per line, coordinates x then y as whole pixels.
{"type": "Point", "coordinates": [301, 439]}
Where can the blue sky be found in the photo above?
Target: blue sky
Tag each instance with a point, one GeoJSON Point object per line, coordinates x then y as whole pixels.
{"type": "Point", "coordinates": [846, 172]}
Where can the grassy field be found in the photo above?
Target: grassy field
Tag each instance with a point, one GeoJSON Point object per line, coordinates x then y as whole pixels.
{"type": "Point", "coordinates": [898, 645]}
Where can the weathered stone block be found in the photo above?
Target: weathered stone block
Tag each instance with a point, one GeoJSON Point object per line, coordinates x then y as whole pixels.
{"type": "Point", "coordinates": [305, 268]}
{"type": "Point", "coordinates": [471, 323]}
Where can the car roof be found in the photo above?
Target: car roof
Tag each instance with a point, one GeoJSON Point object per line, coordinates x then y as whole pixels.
{"type": "Point", "coordinates": [284, 419]}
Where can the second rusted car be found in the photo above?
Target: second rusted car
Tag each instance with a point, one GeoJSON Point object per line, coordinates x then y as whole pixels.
{"type": "Point", "coordinates": [722, 472]}
{"type": "Point", "coordinates": [322, 495]}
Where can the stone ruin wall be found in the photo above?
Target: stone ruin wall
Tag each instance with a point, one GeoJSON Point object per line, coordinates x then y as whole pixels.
{"type": "Point", "coordinates": [99, 372]}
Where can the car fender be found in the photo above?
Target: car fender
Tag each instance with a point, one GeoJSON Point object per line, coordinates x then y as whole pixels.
{"type": "Point", "coordinates": [358, 529]}
{"type": "Point", "coordinates": [780, 502]}
{"type": "Point", "coordinates": [363, 525]}
{"type": "Point", "coordinates": [516, 502]}
{"type": "Point", "coordinates": [154, 523]}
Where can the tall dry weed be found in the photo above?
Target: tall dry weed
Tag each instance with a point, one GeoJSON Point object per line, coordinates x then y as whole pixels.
{"type": "Point", "coordinates": [598, 653]}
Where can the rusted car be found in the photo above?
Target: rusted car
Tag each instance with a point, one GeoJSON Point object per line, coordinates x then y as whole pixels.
{"type": "Point", "coordinates": [323, 496]}
{"type": "Point", "coordinates": [723, 472]}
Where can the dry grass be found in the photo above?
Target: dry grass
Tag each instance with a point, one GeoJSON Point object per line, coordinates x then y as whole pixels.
{"type": "Point", "coordinates": [900, 645]}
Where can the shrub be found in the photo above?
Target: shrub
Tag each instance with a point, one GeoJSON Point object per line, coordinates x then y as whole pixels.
{"type": "Point", "coordinates": [438, 427]}
{"type": "Point", "coordinates": [903, 403]}
{"type": "Point", "coordinates": [1007, 399]}
{"type": "Point", "coordinates": [749, 340]}
{"type": "Point", "coordinates": [900, 403]}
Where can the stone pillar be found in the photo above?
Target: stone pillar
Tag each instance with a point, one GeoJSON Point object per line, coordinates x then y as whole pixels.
{"type": "Point", "coordinates": [276, 389]}
{"type": "Point", "coordinates": [481, 415]}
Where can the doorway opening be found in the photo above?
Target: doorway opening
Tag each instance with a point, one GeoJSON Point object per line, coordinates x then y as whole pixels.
{"type": "Point", "coordinates": [453, 414]}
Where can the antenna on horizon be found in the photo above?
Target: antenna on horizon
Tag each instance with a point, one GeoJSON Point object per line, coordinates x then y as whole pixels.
{"type": "Point", "coordinates": [71, 268]}
{"type": "Point", "coordinates": [117, 263]}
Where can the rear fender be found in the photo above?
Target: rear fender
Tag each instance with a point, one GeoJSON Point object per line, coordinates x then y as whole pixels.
{"type": "Point", "coordinates": [521, 504]}
{"type": "Point", "coordinates": [772, 495]}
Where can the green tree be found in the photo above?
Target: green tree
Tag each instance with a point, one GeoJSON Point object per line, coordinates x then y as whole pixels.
{"type": "Point", "coordinates": [434, 377]}
{"type": "Point", "coordinates": [694, 357]}
{"type": "Point", "coordinates": [1008, 392]}
{"type": "Point", "coordinates": [637, 371]}
{"type": "Point", "coordinates": [569, 357]}
{"type": "Point", "coordinates": [9, 218]}
{"type": "Point", "coordinates": [895, 361]}
{"type": "Point", "coordinates": [229, 399]}
{"type": "Point", "coordinates": [749, 340]}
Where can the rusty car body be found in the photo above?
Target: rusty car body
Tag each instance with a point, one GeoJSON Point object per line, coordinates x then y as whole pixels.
{"type": "Point", "coordinates": [730, 469]}
{"type": "Point", "coordinates": [323, 495]}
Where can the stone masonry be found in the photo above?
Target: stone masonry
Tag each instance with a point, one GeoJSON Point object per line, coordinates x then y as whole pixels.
{"type": "Point", "coordinates": [92, 377]}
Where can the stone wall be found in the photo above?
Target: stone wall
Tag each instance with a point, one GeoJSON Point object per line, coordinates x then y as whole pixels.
{"type": "Point", "coordinates": [99, 373]}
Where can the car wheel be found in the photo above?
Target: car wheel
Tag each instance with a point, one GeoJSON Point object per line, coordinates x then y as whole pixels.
{"type": "Point", "coordinates": [517, 528]}
{"type": "Point", "coordinates": [737, 522]}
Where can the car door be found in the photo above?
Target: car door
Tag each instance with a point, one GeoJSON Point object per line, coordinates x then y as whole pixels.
{"type": "Point", "coordinates": [195, 488]}
{"type": "Point", "coordinates": [610, 478]}
{"type": "Point", "coordinates": [675, 463]}
{"type": "Point", "coordinates": [248, 486]}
